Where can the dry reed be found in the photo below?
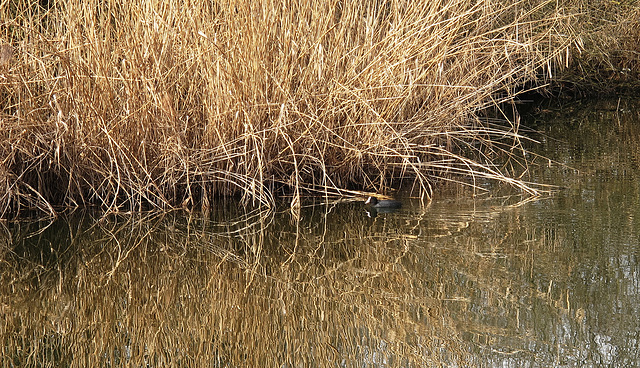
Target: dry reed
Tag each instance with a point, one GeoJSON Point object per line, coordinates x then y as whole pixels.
{"type": "Point", "coordinates": [606, 59]}
{"type": "Point", "coordinates": [129, 105]}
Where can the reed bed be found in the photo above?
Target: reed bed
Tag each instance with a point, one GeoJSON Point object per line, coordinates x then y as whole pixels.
{"type": "Point", "coordinates": [161, 104]}
{"type": "Point", "coordinates": [606, 59]}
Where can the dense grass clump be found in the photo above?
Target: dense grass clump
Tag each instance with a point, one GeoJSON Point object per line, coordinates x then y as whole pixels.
{"type": "Point", "coordinates": [129, 105]}
{"type": "Point", "coordinates": [606, 59]}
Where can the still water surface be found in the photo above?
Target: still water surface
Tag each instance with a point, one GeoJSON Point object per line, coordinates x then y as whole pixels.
{"type": "Point", "coordinates": [489, 281]}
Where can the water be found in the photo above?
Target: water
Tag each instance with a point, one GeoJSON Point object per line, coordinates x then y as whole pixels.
{"type": "Point", "coordinates": [491, 281]}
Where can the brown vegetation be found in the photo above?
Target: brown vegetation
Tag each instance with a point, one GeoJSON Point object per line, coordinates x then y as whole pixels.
{"type": "Point", "coordinates": [166, 104]}
{"type": "Point", "coordinates": [606, 59]}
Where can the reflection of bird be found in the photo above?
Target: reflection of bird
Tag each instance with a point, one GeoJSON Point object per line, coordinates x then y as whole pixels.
{"type": "Point", "coordinates": [385, 203]}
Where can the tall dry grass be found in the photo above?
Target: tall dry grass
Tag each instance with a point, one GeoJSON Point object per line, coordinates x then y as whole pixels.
{"type": "Point", "coordinates": [123, 104]}
{"type": "Point", "coordinates": [607, 57]}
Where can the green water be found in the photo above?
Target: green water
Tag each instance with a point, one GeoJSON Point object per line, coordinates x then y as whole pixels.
{"type": "Point", "coordinates": [490, 281]}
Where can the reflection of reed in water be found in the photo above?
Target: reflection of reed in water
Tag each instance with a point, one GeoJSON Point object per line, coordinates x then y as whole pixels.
{"type": "Point", "coordinates": [415, 288]}
{"type": "Point", "coordinates": [254, 289]}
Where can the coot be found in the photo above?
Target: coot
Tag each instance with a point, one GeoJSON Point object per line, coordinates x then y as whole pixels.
{"type": "Point", "coordinates": [385, 203]}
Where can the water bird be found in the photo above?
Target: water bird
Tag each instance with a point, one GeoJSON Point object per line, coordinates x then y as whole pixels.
{"type": "Point", "coordinates": [385, 203]}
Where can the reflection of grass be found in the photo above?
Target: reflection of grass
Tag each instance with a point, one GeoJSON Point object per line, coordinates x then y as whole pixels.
{"type": "Point", "coordinates": [129, 106]}
{"type": "Point", "coordinates": [540, 282]}
{"type": "Point", "coordinates": [170, 289]}
{"type": "Point", "coordinates": [419, 288]}
{"type": "Point", "coordinates": [588, 140]}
